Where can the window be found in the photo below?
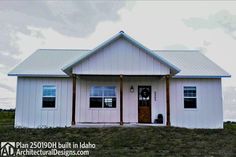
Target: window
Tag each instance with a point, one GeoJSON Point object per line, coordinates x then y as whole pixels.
{"type": "Point", "coordinates": [190, 97]}
{"type": "Point", "coordinates": [103, 97]}
{"type": "Point", "coordinates": [49, 96]}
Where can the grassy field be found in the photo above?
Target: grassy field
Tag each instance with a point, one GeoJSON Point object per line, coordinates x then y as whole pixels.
{"type": "Point", "coordinates": [141, 141]}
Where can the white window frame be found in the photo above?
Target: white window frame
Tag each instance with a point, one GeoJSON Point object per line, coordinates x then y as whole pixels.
{"type": "Point", "coordinates": [190, 97]}
{"type": "Point", "coordinates": [49, 108]}
{"type": "Point", "coordinates": [103, 96]}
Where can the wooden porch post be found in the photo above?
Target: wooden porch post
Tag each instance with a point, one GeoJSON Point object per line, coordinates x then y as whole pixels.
{"type": "Point", "coordinates": [167, 100]}
{"type": "Point", "coordinates": [73, 98]}
{"type": "Point", "coordinates": [121, 99]}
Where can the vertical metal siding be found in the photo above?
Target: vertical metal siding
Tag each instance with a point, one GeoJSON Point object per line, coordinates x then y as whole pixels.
{"type": "Point", "coordinates": [29, 111]}
{"type": "Point", "coordinates": [121, 57]}
{"type": "Point", "coordinates": [209, 112]}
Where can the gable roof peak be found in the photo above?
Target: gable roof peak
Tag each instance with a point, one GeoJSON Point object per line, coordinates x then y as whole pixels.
{"type": "Point", "coordinates": [68, 67]}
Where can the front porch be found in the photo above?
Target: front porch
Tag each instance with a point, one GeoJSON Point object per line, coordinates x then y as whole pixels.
{"type": "Point", "coordinates": [129, 110]}
{"type": "Point", "coordinates": [111, 125]}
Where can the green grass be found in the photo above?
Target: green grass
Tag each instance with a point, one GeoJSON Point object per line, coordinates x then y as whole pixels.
{"type": "Point", "coordinates": [141, 141]}
{"type": "Point", "coordinates": [6, 119]}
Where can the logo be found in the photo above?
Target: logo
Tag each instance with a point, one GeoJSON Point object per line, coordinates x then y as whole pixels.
{"type": "Point", "coordinates": [7, 149]}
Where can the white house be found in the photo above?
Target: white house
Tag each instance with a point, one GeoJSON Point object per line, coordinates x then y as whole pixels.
{"type": "Point", "coordinates": [120, 81]}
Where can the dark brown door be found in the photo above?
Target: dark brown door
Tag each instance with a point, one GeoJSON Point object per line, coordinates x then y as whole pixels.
{"type": "Point", "coordinates": [144, 104]}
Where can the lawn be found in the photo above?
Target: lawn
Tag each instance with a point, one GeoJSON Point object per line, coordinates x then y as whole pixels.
{"type": "Point", "coordinates": [127, 141]}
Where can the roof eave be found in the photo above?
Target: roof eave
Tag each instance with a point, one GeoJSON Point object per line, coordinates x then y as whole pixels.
{"type": "Point", "coordinates": [201, 76]}
{"type": "Point", "coordinates": [37, 75]}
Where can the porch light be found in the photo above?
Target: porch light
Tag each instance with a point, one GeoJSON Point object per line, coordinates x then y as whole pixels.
{"type": "Point", "coordinates": [131, 89]}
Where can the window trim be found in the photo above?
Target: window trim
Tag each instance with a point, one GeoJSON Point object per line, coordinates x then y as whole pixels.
{"type": "Point", "coordinates": [196, 97]}
{"type": "Point", "coordinates": [49, 108]}
{"type": "Point", "coordinates": [103, 97]}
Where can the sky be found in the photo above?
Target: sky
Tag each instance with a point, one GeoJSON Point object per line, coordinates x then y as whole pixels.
{"type": "Point", "coordinates": [26, 26]}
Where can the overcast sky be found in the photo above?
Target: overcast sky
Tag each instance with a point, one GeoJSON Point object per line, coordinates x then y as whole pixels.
{"type": "Point", "coordinates": [27, 26]}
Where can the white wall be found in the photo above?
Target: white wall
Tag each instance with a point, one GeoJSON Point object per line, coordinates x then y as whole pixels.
{"type": "Point", "coordinates": [29, 111]}
{"type": "Point", "coordinates": [121, 57]}
{"type": "Point", "coordinates": [209, 112]}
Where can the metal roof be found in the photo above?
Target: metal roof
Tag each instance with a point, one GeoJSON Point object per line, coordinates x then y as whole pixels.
{"type": "Point", "coordinates": [47, 62]}
{"type": "Point", "coordinates": [193, 64]}
{"type": "Point", "coordinates": [58, 62]}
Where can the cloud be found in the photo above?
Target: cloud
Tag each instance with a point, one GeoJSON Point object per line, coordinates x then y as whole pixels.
{"type": "Point", "coordinates": [7, 61]}
{"type": "Point", "coordinates": [6, 100]}
{"type": "Point", "coordinates": [71, 18]}
{"type": "Point", "coordinates": [29, 18]}
{"type": "Point", "coordinates": [229, 94]}
{"type": "Point", "coordinates": [222, 19]}
{"type": "Point", "coordinates": [7, 103]}
{"type": "Point", "coordinates": [176, 47]}
{"type": "Point", "coordinates": [202, 48]}
{"type": "Point", "coordinates": [9, 88]}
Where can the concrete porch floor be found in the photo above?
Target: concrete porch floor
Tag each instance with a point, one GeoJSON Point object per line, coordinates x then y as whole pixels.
{"type": "Point", "coordinates": [107, 125]}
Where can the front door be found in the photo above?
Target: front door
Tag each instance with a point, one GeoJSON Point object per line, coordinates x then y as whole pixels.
{"type": "Point", "coordinates": [144, 104]}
